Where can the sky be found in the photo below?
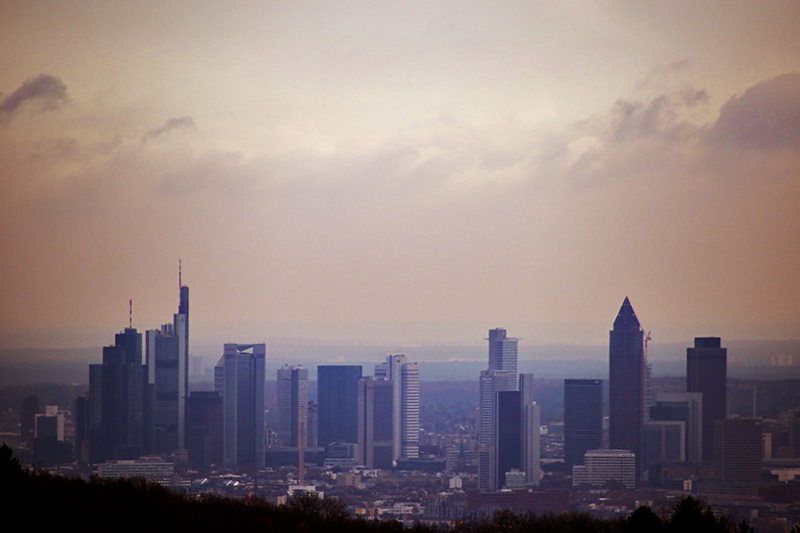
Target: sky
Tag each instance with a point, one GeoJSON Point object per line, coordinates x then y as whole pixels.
{"type": "Point", "coordinates": [399, 171]}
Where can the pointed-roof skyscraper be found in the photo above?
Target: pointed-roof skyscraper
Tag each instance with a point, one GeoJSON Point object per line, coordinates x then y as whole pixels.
{"type": "Point", "coordinates": [626, 379]}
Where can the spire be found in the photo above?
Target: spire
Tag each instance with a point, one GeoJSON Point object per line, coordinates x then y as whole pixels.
{"type": "Point", "coordinates": [626, 318]}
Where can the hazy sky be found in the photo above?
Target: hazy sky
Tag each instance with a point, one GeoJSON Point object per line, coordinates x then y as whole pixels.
{"type": "Point", "coordinates": [405, 171]}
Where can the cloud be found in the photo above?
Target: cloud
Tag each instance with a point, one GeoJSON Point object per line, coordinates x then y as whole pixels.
{"type": "Point", "coordinates": [662, 116]}
{"type": "Point", "coordinates": [49, 91]}
{"type": "Point", "coordinates": [664, 75]}
{"type": "Point", "coordinates": [171, 124]}
{"type": "Point", "coordinates": [767, 115]}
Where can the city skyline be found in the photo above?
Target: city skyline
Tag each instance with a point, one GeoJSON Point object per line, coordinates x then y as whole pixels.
{"type": "Point", "coordinates": [384, 173]}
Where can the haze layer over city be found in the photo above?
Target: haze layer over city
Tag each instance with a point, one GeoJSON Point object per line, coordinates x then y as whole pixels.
{"type": "Point", "coordinates": [399, 174]}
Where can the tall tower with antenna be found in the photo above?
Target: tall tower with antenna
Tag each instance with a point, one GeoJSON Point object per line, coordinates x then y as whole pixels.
{"type": "Point", "coordinates": [168, 360]}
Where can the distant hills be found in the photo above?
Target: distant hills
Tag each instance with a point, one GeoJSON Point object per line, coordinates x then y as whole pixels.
{"type": "Point", "coordinates": [746, 359]}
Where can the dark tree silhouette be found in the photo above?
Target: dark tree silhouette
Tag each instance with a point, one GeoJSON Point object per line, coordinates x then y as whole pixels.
{"type": "Point", "coordinates": [136, 505]}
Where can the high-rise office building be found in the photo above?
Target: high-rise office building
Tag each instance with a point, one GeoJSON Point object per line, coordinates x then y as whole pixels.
{"type": "Point", "coordinates": [115, 417]}
{"type": "Point", "coordinates": [626, 382]}
{"type": "Point", "coordinates": [240, 380]}
{"type": "Point", "coordinates": [738, 455]}
{"type": "Point", "coordinates": [337, 395]}
{"type": "Point", "coordinates": [497, 454]}
{"type": "Point", "coordinates": [50, 423]}
{"type": "Point", "coordinates": [516, 445]}
{"type": "Point", "coordinates": [707, 373]}
{"type": "Point", "coordinates": [794, 432]}
{"type": "Point", "coordinates": [601, 466]}
{"type": "Point", "coordinates": [508, 448]}
{"type": "Point", "coordinates": [204, 429]}
{"type": "Point", "coordinates": [168, 364]}
{"type": "Point", "coordinates": [409, 436]}
{"type": "Point", "coordinates": [49, 447]}
{"type": "Point", "coordinates": [27, 425]}
{"type": "Point", "coordinates": [503, 355]}
{"type": "Point", "coordinates": [404, 376]}
{"type": "Point", "coordinates": [663, 442]}
{"type": "Point", "coordinates": [292, 405]}
{"type": "Point", "coordinates": [583, 419]}
{"type": "Point", "coordinates": [530, 432]}
{"type": "Point", "coordinates": [375, 425]}
{"type": "Point", "coordinates": [686, 407]}
{"type": "Point", "coordinates": [491, 382]}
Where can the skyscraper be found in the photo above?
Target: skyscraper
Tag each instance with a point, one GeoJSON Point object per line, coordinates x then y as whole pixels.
{"type": "Point", "coordinates": [503, 355]}
{"type": "Point", "coordinates": [583, 419]}
{"type": "Point", "coordinates": [508, 448]}
{"type": "Point", "coordinates": [404, 376]}
{"type": "Point", "coordinates": [516, 444]}
{"type": "Point", "coordinates": [707, 373]}
{"type": "Point", "coordinates": [501, 376]}
{"type": "Point", "coordinates": [375, 439]}
{"type": "Point", "coordinates": [240, 379]}
{"type": "Point", "coordinates": [737, 452]}
{"type": "Point", "coordinates": [491, 382]}
{"type": "Point", "coordinates": [337, 394]}
{"type": "Point", "coordinates": [626, 382]}
{"type": "Point", "coordinates": [530, 433]}
{"type": "Point", "coordinates": [292, 405]}
{"type": "Point", "coordinates": [116, 406]}
{"type": "Point", "coordinates": [168, 363]}
{"type": "Point", "coordinates": [204, 429]}
{"type": "Point", "coordinates": [794, 432]}
{"type": "Point", "coordinates": [686, 407]}
{"type": "Point", "coordinates": [663, 442]}
{"type": "Point", "coordinates": [409, 436]}
{"type": "Point", "coordinates": [27, 426]}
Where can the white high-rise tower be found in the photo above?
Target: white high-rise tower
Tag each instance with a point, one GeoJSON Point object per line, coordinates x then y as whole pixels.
{"type": "Point", "coordinates": [404, 376]}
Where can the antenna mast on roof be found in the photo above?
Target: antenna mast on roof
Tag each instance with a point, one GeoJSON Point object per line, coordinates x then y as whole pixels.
{"type": "Point", "coordinates": [130, 314]}
{"type": "Point", "coordinates": [180, 284]}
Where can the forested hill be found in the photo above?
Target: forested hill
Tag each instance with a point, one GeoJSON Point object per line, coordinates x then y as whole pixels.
{"type": "Point", "coordinates": [50, 501]}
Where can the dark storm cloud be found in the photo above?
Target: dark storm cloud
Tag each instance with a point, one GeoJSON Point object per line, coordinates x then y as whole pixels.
{"type": "Point", "coordinates": [767, 115]}
{"type": "Point", "coordinates": [171, 124]}
{"type": "Point", "coordinates": [48, 91]}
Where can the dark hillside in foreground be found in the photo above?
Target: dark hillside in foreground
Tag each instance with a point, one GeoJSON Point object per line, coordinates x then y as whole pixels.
{"type": "Point", "coordinates": [135, 505]}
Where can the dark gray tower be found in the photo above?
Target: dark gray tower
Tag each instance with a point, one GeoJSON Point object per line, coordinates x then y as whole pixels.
{"type": "Point", "coordinates": [583, 419]}
{"type": "Point", "coordinates": [626, 378]}
{"type": "Point", "coordinates": [240, 379]}
{"type": "Point", "coordinates": [168, 362]}
{"type": "Point", "coordinates": [116, 409]}
{"type": "Point", "coordinates": [375, 427]}
{"type": "Point", "coordinates": [509, 434]}
{"type": "Point", "coordinates": [707, 373]}
{"type": "Point", "coordinates": [337, 394]}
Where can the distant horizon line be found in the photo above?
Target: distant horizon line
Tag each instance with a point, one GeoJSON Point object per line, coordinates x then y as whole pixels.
{"type": "Point", "coordinates": [382, 344]}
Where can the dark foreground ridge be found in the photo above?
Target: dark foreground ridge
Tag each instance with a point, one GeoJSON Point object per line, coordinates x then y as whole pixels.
{"type": "Point", "coordinates": [136, 505]}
